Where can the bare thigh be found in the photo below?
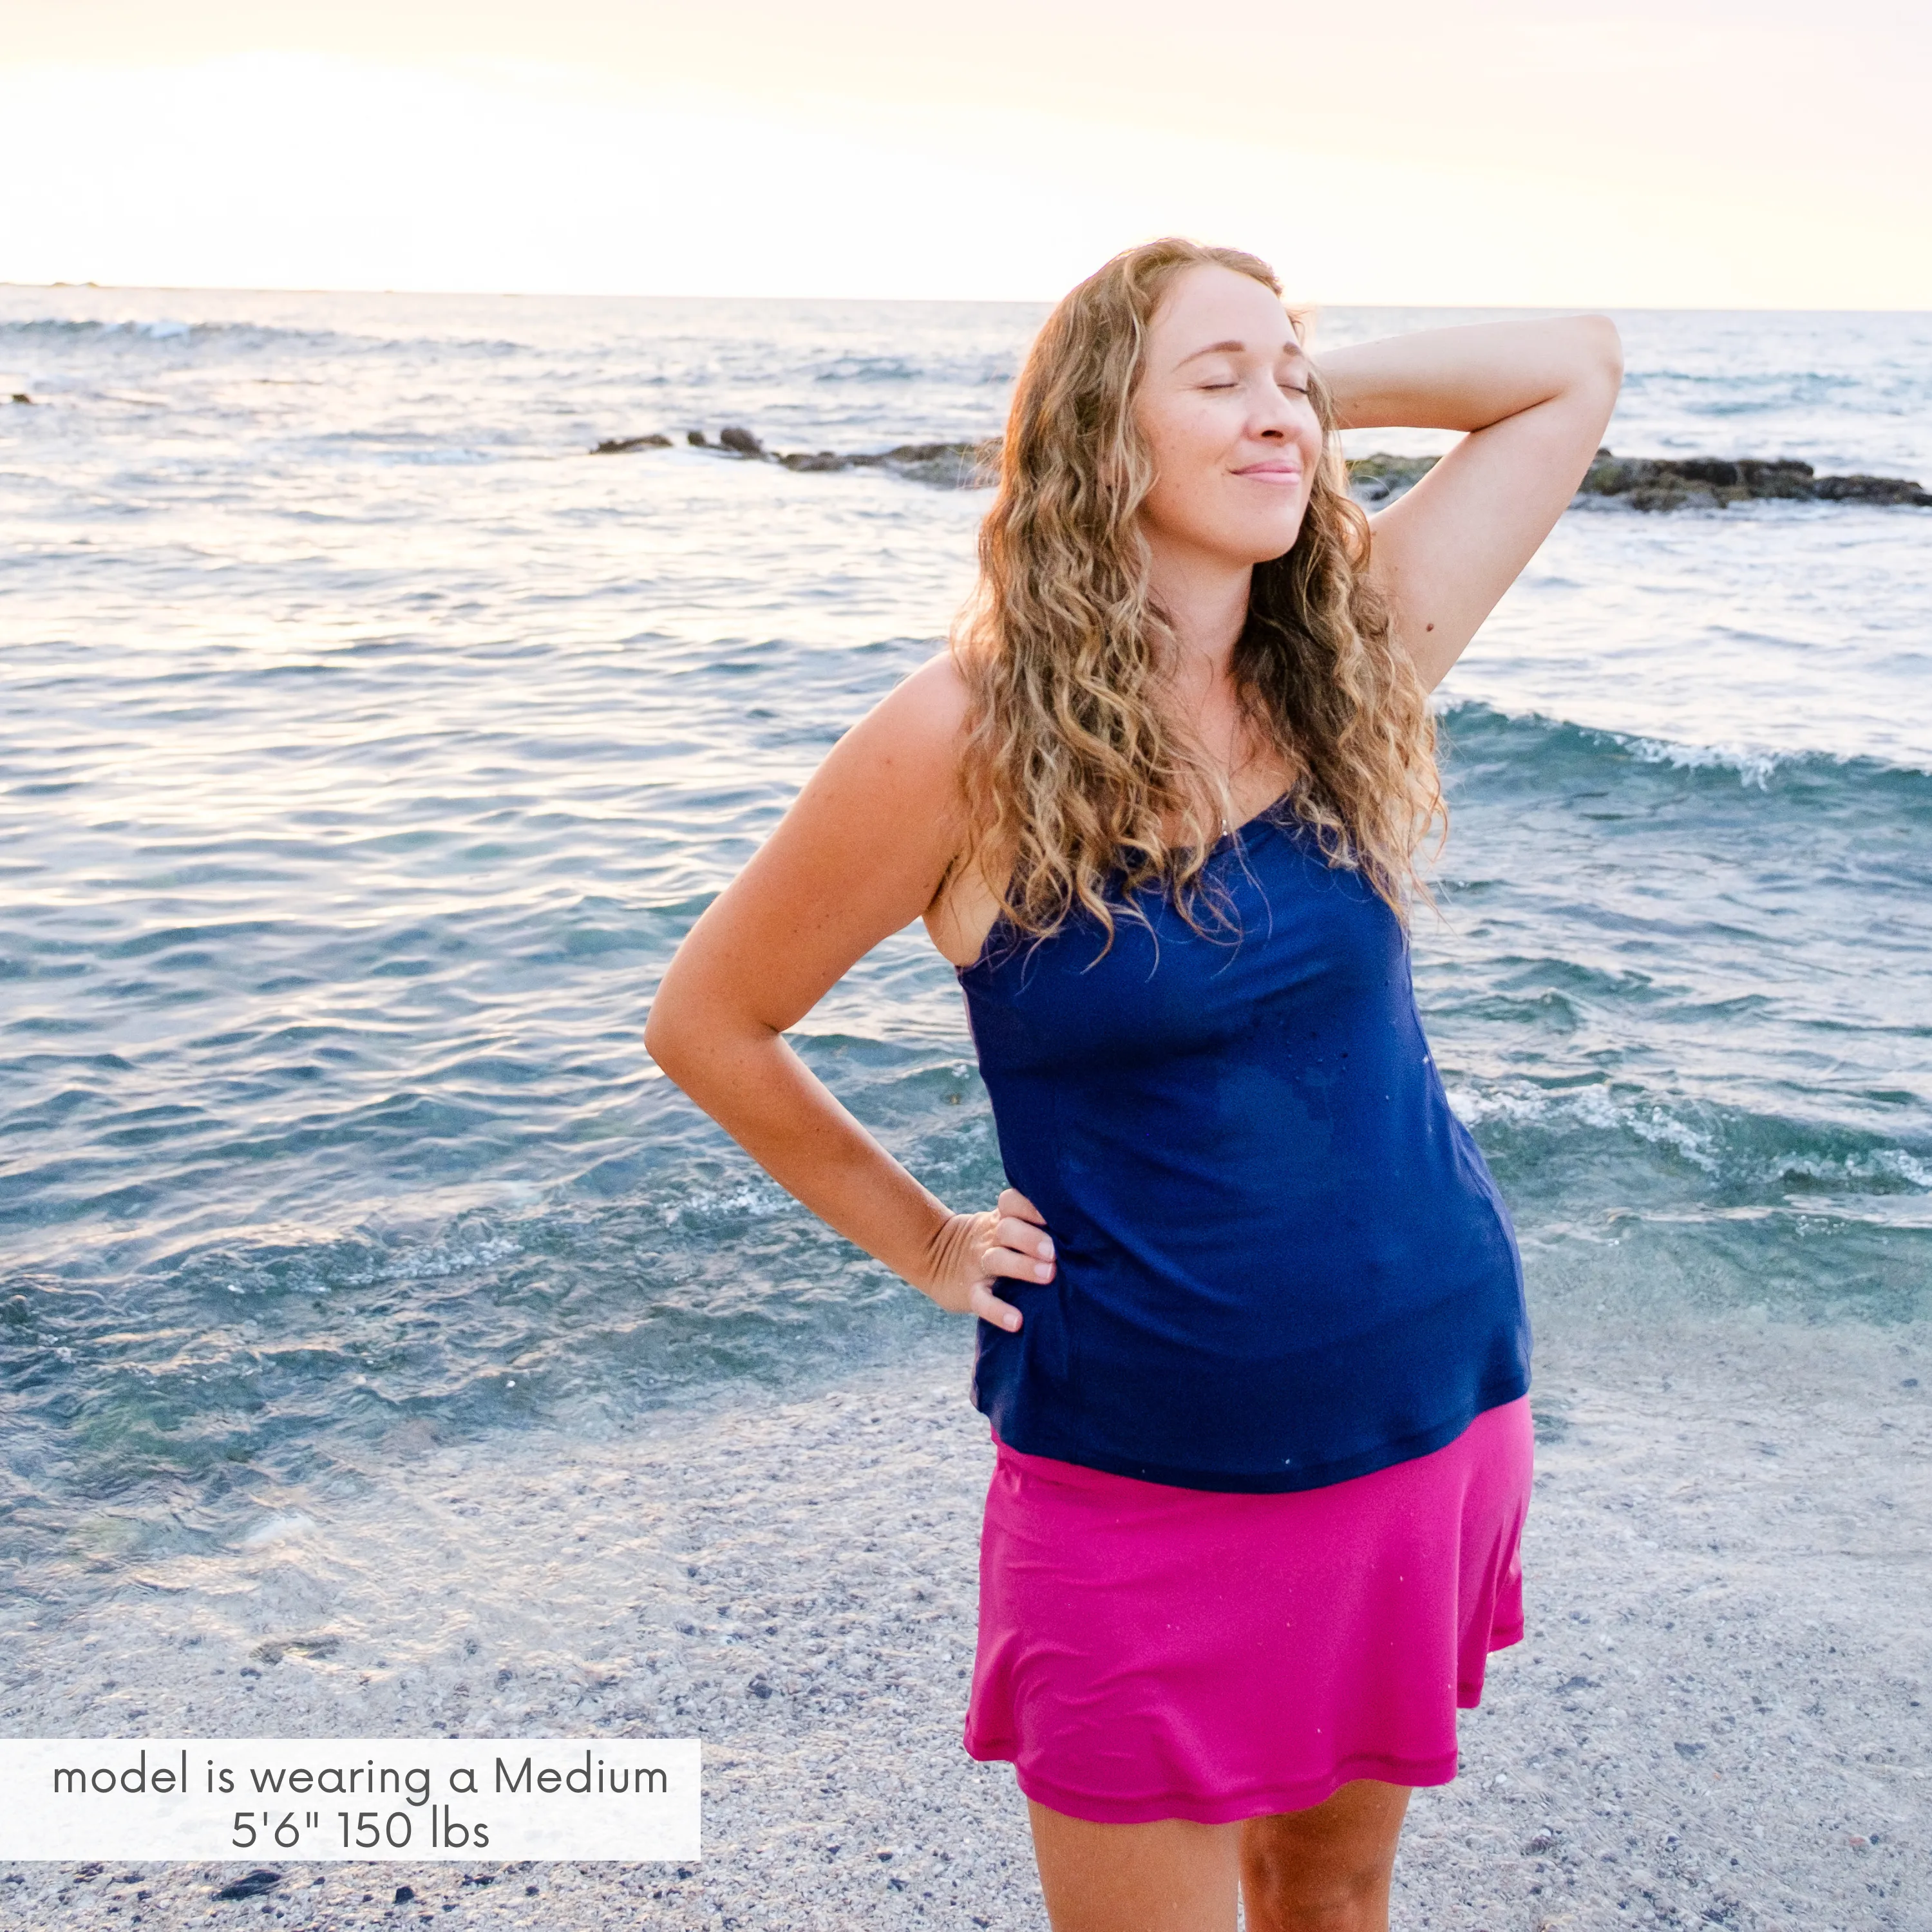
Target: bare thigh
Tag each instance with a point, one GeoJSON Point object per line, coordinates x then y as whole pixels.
{"type": "Point", "coordinates": [1328, 1867]}
{"type": "Point", "coordinates": [1171, 1876]}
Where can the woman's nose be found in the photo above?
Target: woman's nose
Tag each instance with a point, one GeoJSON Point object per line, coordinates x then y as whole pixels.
{"type": "Point", "coordinates": [1272, 416]}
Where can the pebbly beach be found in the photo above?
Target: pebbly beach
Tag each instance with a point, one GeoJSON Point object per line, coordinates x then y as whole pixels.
{"type": "Point", "coordinates": [1717, 1717]}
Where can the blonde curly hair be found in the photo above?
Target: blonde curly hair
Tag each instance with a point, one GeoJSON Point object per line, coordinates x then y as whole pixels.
{"type": "Point", "coordinates": [1071, 766]}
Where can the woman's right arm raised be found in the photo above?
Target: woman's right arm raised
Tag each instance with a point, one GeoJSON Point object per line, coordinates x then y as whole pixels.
{"type": "Point", "coordinates": [863, 852]}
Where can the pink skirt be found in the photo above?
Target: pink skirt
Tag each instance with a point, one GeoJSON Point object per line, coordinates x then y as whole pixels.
{"type": "Point", "coordinates": [1149, 1652]}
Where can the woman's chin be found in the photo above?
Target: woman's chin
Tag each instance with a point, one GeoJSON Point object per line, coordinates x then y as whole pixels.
{"type": "Point", "coordinates": [1237, 542]}
{"type": "Point", "coordinates": [1267, 545]}
{"type": "Point", "coordinates": [1243, 547]}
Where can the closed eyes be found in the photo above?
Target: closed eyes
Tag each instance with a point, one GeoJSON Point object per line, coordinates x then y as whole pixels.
{"type": "Point", "coordinates": [1286, 388]}
{"type": "Point", "coordinates": [1224, 386]}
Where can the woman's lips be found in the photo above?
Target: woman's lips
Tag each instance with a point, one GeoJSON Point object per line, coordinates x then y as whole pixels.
{"type": "Point", "coordinates": [1279, 473]}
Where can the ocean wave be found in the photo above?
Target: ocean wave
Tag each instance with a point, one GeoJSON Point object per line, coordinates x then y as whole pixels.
{"type": "Point", "coordinates": [871, 369]}
{"type": "Point", "coordinates": [1474, 730]}
{"type": "Point", "coordinates": [157, 328]}
{"type": "Point", "coordinates": [1594, 1109]}
{"type": "Point", "coordinates": [712, 1208]}
{"type": "Point", "coordinates": [243, 334]}
{"type": "Point", "coordinates": [1747, 388]}
{"type": "Point", "coordinates": [1771, 1159]}
{"type": "Point", "coordinates": [236, 1349]}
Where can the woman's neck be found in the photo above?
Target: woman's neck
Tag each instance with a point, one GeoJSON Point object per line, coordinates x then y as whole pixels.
{"type": "Point", "coordinates": [1205, 600]}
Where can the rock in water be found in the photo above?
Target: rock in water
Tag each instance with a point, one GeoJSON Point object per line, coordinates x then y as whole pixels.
{"type": "Point", "coordinates": [1640, 482]}
{"type": "Point", "coordinates": [954, 466]}
{"type": "Point", "coordinates": [1379, 479]}
{"type": "Point", "coordinates": [1671, 483]}
{"type": "Point", "coordinates": [1871, 489]}
{"type": "Point", "coordinates": [1666, 482]}
{"type": "Point", "coordinates": [950, 465]}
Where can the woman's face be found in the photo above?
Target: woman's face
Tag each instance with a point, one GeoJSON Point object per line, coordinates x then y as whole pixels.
{"type": "Point", "coordinates": [1224, 406]}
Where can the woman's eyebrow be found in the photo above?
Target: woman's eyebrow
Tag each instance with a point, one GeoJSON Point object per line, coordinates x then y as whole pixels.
{"type": "Point", "coordinates": [1289, 348]}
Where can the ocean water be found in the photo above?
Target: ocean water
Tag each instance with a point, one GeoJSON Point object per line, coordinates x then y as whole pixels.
{"type": "Point", "coordinates": [367, 746]}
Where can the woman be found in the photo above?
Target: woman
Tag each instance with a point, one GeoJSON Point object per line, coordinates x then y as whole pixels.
{"type": "Point", "coordinates": [1251, 1332]}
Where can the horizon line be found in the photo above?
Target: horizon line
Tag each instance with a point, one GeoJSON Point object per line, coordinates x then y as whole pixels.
{"type": "Point", "coordinates": [986, 301]}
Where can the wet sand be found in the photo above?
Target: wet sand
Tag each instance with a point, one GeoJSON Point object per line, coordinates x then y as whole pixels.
{"type": "Point", "coordinates": [1719, 1718]}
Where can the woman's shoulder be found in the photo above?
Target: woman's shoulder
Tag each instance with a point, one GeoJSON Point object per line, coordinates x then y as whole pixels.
{"type": "Point", "coordinates": [894, 776]}
{"type": "Point", "coordinates": [916, 736]}
{"type": "Point", "coordinates": [909, 745]}
{"type": "Point", "coordinates": [928, 707]}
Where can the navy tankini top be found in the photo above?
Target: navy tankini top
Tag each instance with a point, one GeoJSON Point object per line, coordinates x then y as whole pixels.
{"type": "Point", "coordinates": [1282, 1262]}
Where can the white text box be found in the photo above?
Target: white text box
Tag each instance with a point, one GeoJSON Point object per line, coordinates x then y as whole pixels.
{"type": "Point", "coordinates": [306, 1799]}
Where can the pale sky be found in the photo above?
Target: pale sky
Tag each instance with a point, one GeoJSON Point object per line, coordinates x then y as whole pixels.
{"type": "Point", "coordinates": [1672, 153]}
